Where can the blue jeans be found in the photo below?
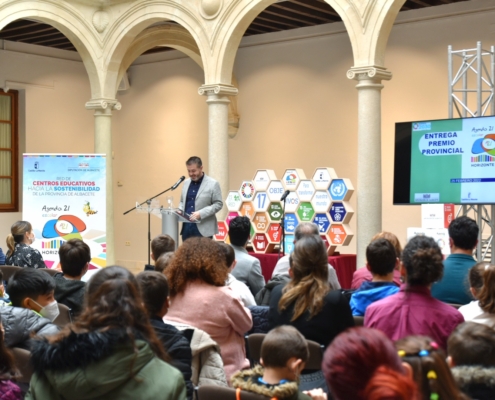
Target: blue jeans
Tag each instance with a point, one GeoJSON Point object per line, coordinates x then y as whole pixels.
{"type": "Point", "coordinates": [189, 230]}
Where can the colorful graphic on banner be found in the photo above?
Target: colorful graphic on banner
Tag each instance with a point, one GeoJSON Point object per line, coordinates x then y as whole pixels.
{"type": "Point", "coordinates": [64, 197]}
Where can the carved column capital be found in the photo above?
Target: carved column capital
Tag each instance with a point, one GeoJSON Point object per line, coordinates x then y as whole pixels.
{"type": "Point", "coordinates": [369, 73]}
{"type": "Point", "coordinates": [218, 89]}
{"type": "Point", "coordinates": [106, 105]}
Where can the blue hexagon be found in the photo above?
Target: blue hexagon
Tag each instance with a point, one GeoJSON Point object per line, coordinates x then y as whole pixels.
{"type": "Point", "coordinates": [288, 244]}
{"type": "Point", "coordinates": [337, 212]}
{"type": "Point", "coordinates": [338, 189]}
{"type": "Point", "coordinates": [323, 222]}
{"type": "Point", "coordinates": [290, 222]}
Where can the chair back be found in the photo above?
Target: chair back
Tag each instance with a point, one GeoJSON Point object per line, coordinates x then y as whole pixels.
{"type": "Point", "coordinates": [64, 316]}
{"type": "Point", "coordinates": [211, 392]}
{"type": "Point", "coordinates": [315, 359]}
{"type": "Point", "coordinates": [50, 271]}
{"type": "Point", "coordinates": [253, 344]}
{"type": "Point", "coordinates": [22, 359]}
{"type": "Point", "coordinates": [358, 320]}
{"type": "Point", "coordinates": [8, 271]}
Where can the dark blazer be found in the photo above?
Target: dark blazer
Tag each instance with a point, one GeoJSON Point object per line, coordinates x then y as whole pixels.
{"type": "Point", "coordinates": [334, 318]}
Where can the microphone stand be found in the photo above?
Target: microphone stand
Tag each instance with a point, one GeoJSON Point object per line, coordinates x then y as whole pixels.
{"type": "Point", "coordinates": [148, 202]}
{"type": "Point", "coordinates": [282, 236]}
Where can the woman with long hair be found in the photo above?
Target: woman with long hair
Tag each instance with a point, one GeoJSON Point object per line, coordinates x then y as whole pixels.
{"type": "Point", "coordinates": [482, 287]}
{"type": "Point", "coordinates": [110, 352]}
{"type": "Point", "coordinates": [413, 310]}
{"type": "Point", "coordinates": [362, 364]}
{"type": "Point", "coordinates": [199, 297]}
{"type": "Point", "coordinates": [20, 252]}
{"type": "Point", "coordinates": [306, 302]}
{"type": "Point", "coordinates": [430, 370]}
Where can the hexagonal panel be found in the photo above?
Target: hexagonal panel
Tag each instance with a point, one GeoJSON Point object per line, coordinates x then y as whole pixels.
{"type": "Point", "coordinates": [275, 190]}
{"type": "Point", "coordinates": [321, 201]}
{"type": "Point", "coordinates": [231, 216]}
{"type": "Point", "coordinates": [305, 212]}
{"type": "Point", "coordinates": [233, 200]}
{"type": "Point", "coordinates": [261, 201]}
{"type": "Point", "coordinates": [305, 190]}
{"type": "Point", "coordinates": [288, 244]}
{"type": "Point", "coordinates": [261, 244]}
{"type": "Point", "coordinates": [340, 235]}
{"type": "Point", "coordinates": [223, 230]}
{"type": "Point", "coordinates": [341, 212]}
{"type": "Point", "coordinates": [341, 189]}
{"type": "Point", "coordinates": [247, 209]}
{"type": "Point", "coordinates": [260, 222]}
{"type": "Point", "coordinates": [322, 220]}
{"type": "Point", "coordinates": [275, 211]}
{"type": "Point", "coordinates": [290, 223]}
{"type": "Point", "coordinates": [262, 179]}
{"type": "Point", "coordinates": [322, 178]}
{"type": "Point", "coordinates": [292, 177]}
{"type": "Point", "coordinates": [247, 191]}
{"type": "Point", "coordinates": [291, 202]}
{"type": "Point", "coordinates": [274, 233]}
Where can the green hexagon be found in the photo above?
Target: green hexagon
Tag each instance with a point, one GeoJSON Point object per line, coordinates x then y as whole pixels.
{"type": "Point", "coordinates": [305, 212]}
{"type": "Point", "coordinates": [275, 211]}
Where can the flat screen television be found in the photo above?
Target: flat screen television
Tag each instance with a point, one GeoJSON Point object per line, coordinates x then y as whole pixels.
{"type": "Point", "coordinates": [445, 161]}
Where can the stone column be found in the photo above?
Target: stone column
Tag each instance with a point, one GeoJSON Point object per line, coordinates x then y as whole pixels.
{"type": "Point", "coordinates": [369, 155]}
{"type": "Point", "coordinates": [218, 135]}
{"type": "Point", "coordinates": [103, 145]}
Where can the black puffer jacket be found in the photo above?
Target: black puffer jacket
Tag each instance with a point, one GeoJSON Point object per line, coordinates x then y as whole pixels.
{"type": "Point", "coordinates": [475, 381]}
{"type": "Point", "coordinates": [263, 296]}
{"type": "Point", "coordinates": [19, 323]}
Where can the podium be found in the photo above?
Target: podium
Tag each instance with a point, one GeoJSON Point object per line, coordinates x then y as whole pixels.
{"type": "Point", "coordinates": [170, 222]}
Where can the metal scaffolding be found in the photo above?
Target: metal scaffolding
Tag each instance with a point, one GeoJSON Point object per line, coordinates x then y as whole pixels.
{"type": "Point", "coordinates": [473, 85]}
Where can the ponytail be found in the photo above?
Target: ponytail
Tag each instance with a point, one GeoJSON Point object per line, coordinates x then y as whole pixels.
{"type": "Point", "coordinates": [10, 243]}
{"type": "Point", "coordinates": [389, 384]}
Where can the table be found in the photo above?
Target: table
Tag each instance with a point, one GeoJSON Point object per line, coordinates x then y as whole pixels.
{"type": "Point", "coordinates": [344, 264]}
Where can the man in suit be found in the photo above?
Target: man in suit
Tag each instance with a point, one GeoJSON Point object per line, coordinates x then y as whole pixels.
{"type": "Point", "coordinates": [248, 268]}
{"type": "Point", "coordinates": [201, 199]}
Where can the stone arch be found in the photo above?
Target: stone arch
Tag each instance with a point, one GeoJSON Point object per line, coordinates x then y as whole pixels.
{"type": "Point", "coordinates": [67, 20]}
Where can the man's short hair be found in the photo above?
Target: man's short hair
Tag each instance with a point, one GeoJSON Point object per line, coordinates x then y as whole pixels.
{"type": "Point", "coordinates": [472, 344]}
{"type": "Point", "coordinates": [239, 230]}
{"type": "Point", "coordinates": [229, 253]}
{"type": "Point", "coordinates": [464, 232]}
{"type": "Point", "coordinates": [305, 229]}
{"type": "Point", "coordinates": [381, 257]}
{"type": "Point", "coordinates": [154, 290]}
{"type": "Point", "coordinates": [74, 255]}
{"type": "Point", "coordinates": [162, 244]}
{"type": "Point", "coordinates": [163, 261]}
{"type": "Point", "coordinates": [194, 160]}
{"type": "Point", "coordinates": [281, 344]}
{"type": "Point", "coordinates": [29, 282]}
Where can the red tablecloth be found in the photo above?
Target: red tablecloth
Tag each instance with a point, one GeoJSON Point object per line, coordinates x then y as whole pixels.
{"type": "Point", "coordinates": [344, 264]}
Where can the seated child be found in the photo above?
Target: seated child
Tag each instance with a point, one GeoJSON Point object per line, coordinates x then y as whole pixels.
{"type": "Point", "coordinates": [75, 256]}
{"type": "Point", "coordinates": [238, 287]}
{"type": "Point", "coordinates": [154, 290]}
{"type": "Point", "coordinates": [4, 297]}
{"type": "Point", "coordinates": [381, 261]}
{"type": "Point", "coordinates": [471, 349]}
{"type": "Point", "coordinates": [160, 245]}
{"type": "Point", "coordinates": [163, 261]}
{"type": "Point", "coordinates": [284, 353]}
{"type": "Point", "coordinates": [9, 390]}
{"type": "Point", "coordinates": [33, 309]}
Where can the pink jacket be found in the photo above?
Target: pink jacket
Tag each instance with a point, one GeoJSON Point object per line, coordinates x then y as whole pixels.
{"type": "Point", "coordinates": [219, 313]}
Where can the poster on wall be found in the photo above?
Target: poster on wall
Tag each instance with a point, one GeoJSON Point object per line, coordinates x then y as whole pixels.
{"type": "Point", "coordinates": [64, 197]}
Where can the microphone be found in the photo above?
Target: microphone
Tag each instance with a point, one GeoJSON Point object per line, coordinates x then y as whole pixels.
{"type": "Point", "coordinates": [178, 182]}
{"type": "Point", "coordinates": [286, 193]}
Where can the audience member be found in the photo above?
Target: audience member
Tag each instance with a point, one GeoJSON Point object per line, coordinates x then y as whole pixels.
{"type": "Point", "coordinates": [163, 261]}
{"type": "Point", "coordinates": [238, 287]}
{"type": "Point", "coordinates": [381, 261]}
{"type": "Point", "coordinates": [413, 311]}
{"type": "Point", "coordinates": [161, 244]}
{"type": "Point", "coordinates": [363, 274]}
{"type": "Point", "coordinates": [2, 257]}
{"type": "Point", "coordinates": [75, 256]}
{"type": "Point", "coordinates": [307, 302]}
{"type": "Point", "coordinates": [8, 373]}
{"type": "Point", "coordinates": [304, 229]}
{"type": "Point", "coordinates": [463, 238]}
{"type": "Point", "coordinates": [4, 297]}
{"type": "Point", "coordinates": [33, 307]}
{"type": "Point", "coordinates": [284, 353]}
{"type": "Point", "coordinates": [472, 359]}
{"type": "Point", "coordinates": [154, 290]}
{"type": "Point", "coordinates": [362, 364]}
{"type": "Point", "coordinates": [482, 310]}
{"type": "Point", "coordinates": [248, 268]}
{"type": "Point", "coordinates": [200, 298]}
{"type": "Point", "coordinates": [110, 352]}
{"type": "Point", "coordinates": [430, 370]}
{"type": "Point", "coordinates": [20, 252]}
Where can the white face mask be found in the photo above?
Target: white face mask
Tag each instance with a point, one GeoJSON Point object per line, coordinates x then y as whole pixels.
{"type": "Point", "coordinates": [33, 238]}
{"type": "Point", "coordinates": [50, 311]}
